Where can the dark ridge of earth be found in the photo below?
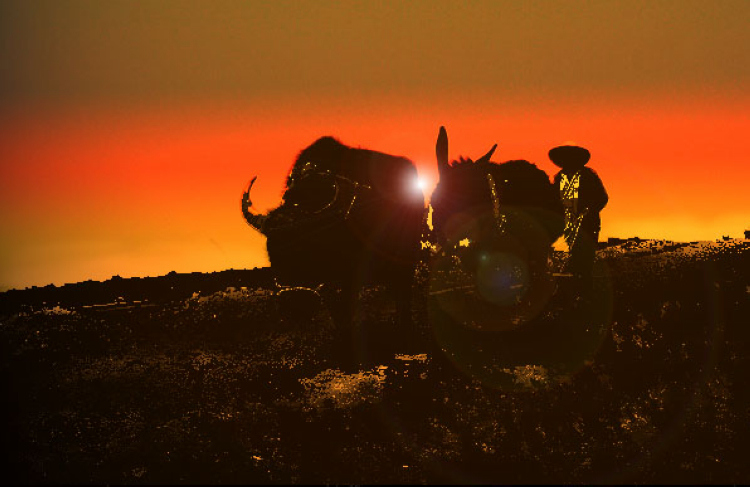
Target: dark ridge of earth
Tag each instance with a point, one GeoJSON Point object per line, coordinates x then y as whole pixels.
{"type": "Point", "coordinates": [171, 287]}
{"type": "Point", "coordinates": [118, 291]}
{"type": "Point", "coordinates": [214, 378]}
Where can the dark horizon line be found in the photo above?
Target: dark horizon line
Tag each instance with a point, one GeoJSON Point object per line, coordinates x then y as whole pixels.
{"type": "Point", "coordinates": [611, 241]}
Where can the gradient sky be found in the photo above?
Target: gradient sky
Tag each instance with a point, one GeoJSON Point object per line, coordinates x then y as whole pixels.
{"type": "Point", "coordinates": [128, 130]}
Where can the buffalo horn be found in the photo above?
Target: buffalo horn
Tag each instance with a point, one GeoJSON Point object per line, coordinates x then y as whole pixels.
{"type": "Point", "coordinates": [441, 150]}
{"type": "Point", "coordinates": [255, 220]}
{"type": "Point", "coordinates": [486, 157]}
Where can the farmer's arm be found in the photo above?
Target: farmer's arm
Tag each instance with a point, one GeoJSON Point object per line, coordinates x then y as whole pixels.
{"type": "Point", "coordinates": [597, 197]}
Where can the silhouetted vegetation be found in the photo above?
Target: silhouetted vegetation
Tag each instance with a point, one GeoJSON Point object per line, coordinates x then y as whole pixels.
{"type": "Point", "coordinates": [245, 385]}
{"type": "Point", "coordinates": [143, 290]}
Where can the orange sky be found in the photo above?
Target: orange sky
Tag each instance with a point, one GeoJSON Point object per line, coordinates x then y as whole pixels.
{"type": "Point", "coordinates": [93, 195]}
{"type": "Point", "coordinates": [111, 164]}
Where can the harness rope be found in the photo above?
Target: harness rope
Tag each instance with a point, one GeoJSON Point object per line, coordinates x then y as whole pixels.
{"type": "Point", "coordinates": [309, 169]}
{"type": "Point", "coordinates": [500, 219]}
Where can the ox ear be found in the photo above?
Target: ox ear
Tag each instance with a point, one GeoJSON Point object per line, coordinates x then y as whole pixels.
{"type": "Point", "coordinates": [441, 150]}
{"type": "Point", "coordinates": [486, 157]}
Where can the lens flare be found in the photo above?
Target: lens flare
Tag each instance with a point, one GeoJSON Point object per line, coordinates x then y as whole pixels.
{"type": "Point", "coordinates": [420, 184]}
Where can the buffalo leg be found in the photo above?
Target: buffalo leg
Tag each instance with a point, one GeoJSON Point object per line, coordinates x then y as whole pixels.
{"type": "Point", "coordinates": [403, 297]}
{"type": "Point", "coordinates": [341, 305]}
{"type": "Point", "coordinates": [402, 292]}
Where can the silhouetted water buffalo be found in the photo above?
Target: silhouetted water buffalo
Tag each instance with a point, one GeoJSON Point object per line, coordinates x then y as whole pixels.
{"type": "Point", "coordinates": [349, 217]}
{"type": "Point", "coordinates": [509, 212]}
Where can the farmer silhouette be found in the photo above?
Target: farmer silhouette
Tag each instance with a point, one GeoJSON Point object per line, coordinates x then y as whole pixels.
{"type": "Point", "coordinates": [583, 197]}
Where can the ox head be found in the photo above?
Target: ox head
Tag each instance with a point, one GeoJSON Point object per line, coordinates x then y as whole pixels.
{"type": "Point", "coordinates": [313, 188]}
{"type": "Point", "coordinates": [309, 193]}
{"type": "Point", "coordinates": [462, 196]}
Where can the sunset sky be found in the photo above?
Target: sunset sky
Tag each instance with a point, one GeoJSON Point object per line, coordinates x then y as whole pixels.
{"type": "Point", "coordinates": [128, 130]}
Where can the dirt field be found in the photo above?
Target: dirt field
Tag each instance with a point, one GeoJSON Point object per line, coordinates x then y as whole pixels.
{"type": "Point", "coordinates": [646, 383]}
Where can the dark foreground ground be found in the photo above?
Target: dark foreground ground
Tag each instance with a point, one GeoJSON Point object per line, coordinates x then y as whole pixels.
{"type": "Point", "coordinates": [647, 383]}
